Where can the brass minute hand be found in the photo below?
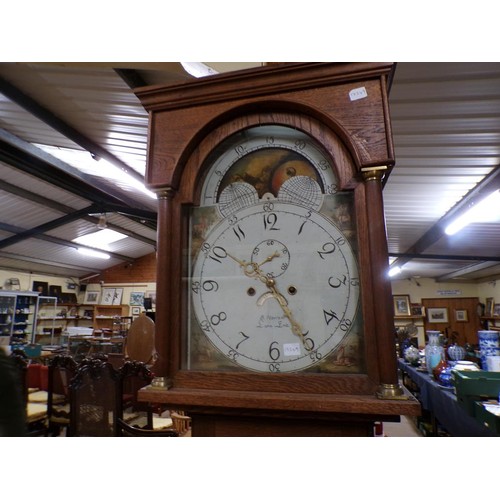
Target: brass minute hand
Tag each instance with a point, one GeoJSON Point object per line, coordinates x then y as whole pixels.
{"type": "Point", "coordinates": [296, 328]}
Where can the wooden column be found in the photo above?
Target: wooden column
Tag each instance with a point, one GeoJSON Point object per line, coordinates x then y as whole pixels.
{"type": "Point", "coordinates": [381, 286]}
{"type": "Point", "coordinates": [163, 334]}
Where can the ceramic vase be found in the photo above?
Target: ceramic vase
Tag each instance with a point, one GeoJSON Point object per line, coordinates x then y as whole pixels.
{"type": "Point", "coordinates": [412, 355]}
{"type": "Point", "coordinates": [456, 352]}
{"type": "Point", "coordinates": [488, 345]}
{"type": "Point", "coordinates": [434, 351]}
{"type": "Point", "coordinates": [442, 365]}
{"type": "Point", "coordinates": [444, 378]}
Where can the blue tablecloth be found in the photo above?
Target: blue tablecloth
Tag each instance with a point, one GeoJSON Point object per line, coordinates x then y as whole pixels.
{"type": "Point", "coordinates": [443, 404]}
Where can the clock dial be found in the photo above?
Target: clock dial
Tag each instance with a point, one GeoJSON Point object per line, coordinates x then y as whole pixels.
{"type": "Point", "coordinates": [274, 284]}
{"type": "Point", "coordinates": [276, 287]}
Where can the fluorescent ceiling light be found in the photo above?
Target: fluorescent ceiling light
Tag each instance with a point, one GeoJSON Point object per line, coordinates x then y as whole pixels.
{"type": "Point", "coordinates": [100, 239]}
{"type": "Point", "coordinates": [83, 161]}
{"type": "Point", "coordinates": [487, 210]}
{"type": "Point", "coordinates": [198, 69]}
{"type": "Point", "coordinates": [93, 253]}
{"type": "Point", "coordinates": [393, 271]}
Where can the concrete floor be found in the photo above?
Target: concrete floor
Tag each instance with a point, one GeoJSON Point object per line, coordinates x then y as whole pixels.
{"type": "Point", "coordinates": [405, 428]}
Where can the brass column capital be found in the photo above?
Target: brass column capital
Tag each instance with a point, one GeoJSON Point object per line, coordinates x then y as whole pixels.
{"type": "Point", "coordinates": [165, 193]}
{"type": "Point", "coordinates": [373, 173]}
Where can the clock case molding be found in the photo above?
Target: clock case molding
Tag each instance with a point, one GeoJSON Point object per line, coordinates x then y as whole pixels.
{"type": "Point", "coordinates": [187, 122]}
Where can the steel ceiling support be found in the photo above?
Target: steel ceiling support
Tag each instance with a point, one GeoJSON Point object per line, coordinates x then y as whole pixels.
{"type": "Point", "coordinates": [466, 270]}
{"type": "Point", "coordinates": [489, 184]}
{"type": "Point", "coordinates": [416, 256]}
{"type": "Point", "coordinates": [46, 202]}
{"type": "Point", "coordinates": [68, 267]}
{"type": "Point", "coordinates": [131, 77]}
{"type": "Point", "coordinates": [32, 160]}
{"type": "Point", "coordinates": [57, 241]}
{"type": "Point", "coordinates": [45, 115]}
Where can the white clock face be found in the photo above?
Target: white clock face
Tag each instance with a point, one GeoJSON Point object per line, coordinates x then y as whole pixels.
{"type": "Point", "coordinates": [275, 286]}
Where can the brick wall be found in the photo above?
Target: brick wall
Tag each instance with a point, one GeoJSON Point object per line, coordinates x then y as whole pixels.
{"type": "Point", "coordinates": [143, 270]}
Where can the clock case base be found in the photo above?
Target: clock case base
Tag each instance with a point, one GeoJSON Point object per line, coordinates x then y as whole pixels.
{"type": "Point", "coordinates": [241, 414]}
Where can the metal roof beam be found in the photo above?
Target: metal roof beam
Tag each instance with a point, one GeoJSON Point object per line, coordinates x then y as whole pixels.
{"type": "Point", "coordinates": [34, 161]}
{"type": "Point", "coordinates": [126, 211]}
{"type": "Point", "coordinates": [33, 107]}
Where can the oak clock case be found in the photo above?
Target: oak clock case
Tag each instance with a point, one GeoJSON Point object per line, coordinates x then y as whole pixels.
{"type": "Point", "coordinates": [273, 270]}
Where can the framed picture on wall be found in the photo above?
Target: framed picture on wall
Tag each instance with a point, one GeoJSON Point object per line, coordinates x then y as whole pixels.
{"type": "Point", "coordinates": [461, 315]}
{"type": "Point", "coordinates": [401, 305]}
{"type": "Point", "coordinates": [108, 294]}
{"type": "Point", "coordinates": [496, 310]}
{"type": "Point", "coordinates": [490, 305]}
{"type": "Point", "coordinates": [417, 309]}
{"type": "Point", "coordinates": [117, 297]}
{"type": "Point", "coordinates": [437, 315]}
{"type": "Point", "coordinates": [136, 298]}
{"type": "Point", "coordinates": [136, 310]}
{"type": "Point", "coordinates": [91, 297]}
{"type": "Point", "coordinates": [151, 295]}
{"type": "Point", "coordinates": [42, 287]}
{"type": "Point", "coordinates": [55, 291]}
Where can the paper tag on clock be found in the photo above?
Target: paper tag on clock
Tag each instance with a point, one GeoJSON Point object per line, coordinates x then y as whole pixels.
{"type": "Point", "coordinates": [359, 93]}
{"type": "Point", "coordinates": [291, 349]}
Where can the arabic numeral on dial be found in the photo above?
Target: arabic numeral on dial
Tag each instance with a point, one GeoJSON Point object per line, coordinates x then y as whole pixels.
{"type": "Point", "coordinates": [270, 221]}
{"type": "Point", "coordinates": [217, 253]}
{"type": "Point", "coordinates": [215, 319]}
{"type": "Point", "coordinates": [205, 325]}
{"type": "Point", "coordinates": [323, 165]}
{"type": "Point", "coordinates": [345, 324]}
{"type": "Point", "coordinates": [354, 282]}
{"type": "Point", "coordinates": [195, 286]}
{"type": "Point", "coordinates": [300, 144]}
{"type": "Point", "coordinates": [270, 139]}
{"type": "Point", "coordinates": [308, 342]}
{"type": "Point", "coordinates": [274, 367]}
{"type": "Point", "coordinates": [245, 337]}
{"type": "Point", "coordinates": [239, 233]}
{"type": "Point", "coordinates": [329, 315]}
{"type": "Point", "coordinates": [335, 282]}
{"type": "Point", "coordinates": [315, 356]}
{"type": "Point", "coordinates": [268, 207]}
{"type": "Point", "coordinates": [331, 189]}
{"type": "Point", "coordinates": [210, 286]}
{"type": "Point", "coordinates": [232, 354]}
{"type": "Point", "coordinates": [326, 249]}
{"type": "Point", "coordinates": [240, 150]}
{"type": "Point", "coordinates": [274, 352]}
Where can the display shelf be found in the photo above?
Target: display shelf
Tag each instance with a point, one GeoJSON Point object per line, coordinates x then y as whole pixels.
{"type": "Point", "coordinates": [7, 308]}
{"type": "Point", "coordinates": [106, 317]}
{"type": "Point", "coordinates": [18, 320]}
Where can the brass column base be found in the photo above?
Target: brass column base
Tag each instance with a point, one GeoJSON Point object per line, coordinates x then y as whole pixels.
{"type": "Point", "coordinates": [391, 391]}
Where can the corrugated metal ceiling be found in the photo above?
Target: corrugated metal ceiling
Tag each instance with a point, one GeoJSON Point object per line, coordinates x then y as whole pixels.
{"type": "Point", "coordinates": [446, 127]}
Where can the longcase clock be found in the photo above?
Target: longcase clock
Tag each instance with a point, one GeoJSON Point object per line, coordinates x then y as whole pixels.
{"type": "Point", "coordinates": [275, 313]}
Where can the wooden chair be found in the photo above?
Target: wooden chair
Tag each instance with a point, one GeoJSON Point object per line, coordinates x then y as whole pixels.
{"type": "Point", "coordinates": [62, 369]}
{"type": "Point", "coordinates": [126, 430]}
{"type": "Point", "coordinates": [12, 396]}
{"type": "Point", "coordinates": [35, 414]}
{"type": "Point", "coordinates": [133, 375]}
{"type": "Point", "coordinates": [94, 399]}
{"type": "Point", "coordinates": [181, 423]}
